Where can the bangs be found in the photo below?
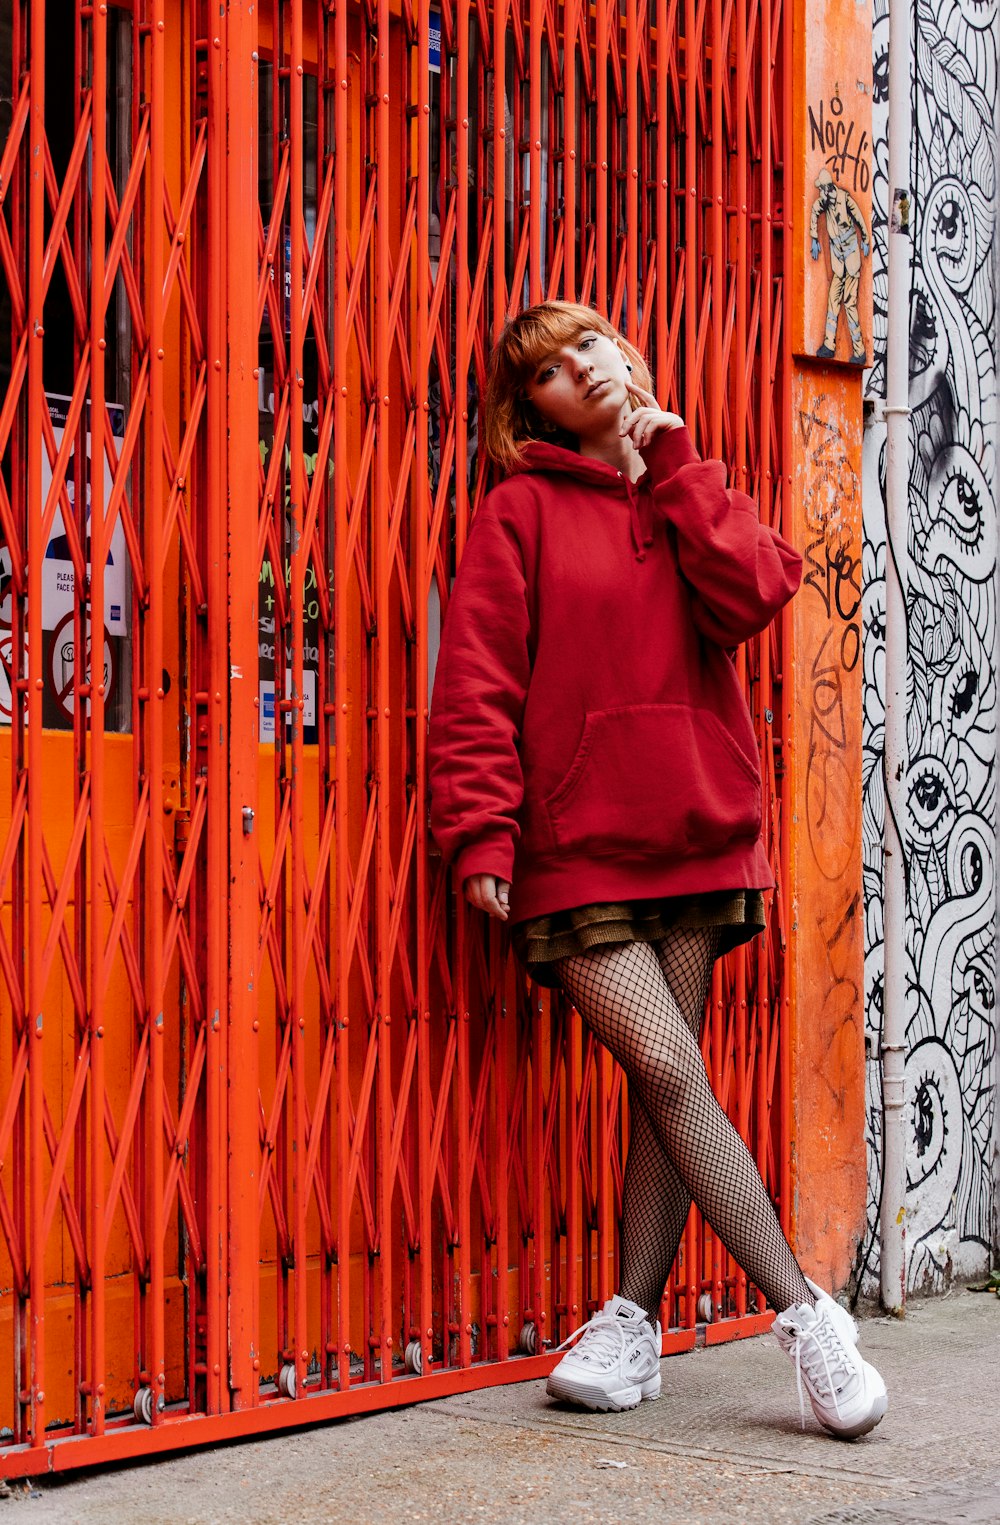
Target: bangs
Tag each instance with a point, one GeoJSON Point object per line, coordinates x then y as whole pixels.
{"type": "Point", "coordinates": [540, 331]}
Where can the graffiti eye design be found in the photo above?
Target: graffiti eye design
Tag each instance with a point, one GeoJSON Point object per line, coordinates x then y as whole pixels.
{"type": "Point", "coordinates": [923, 333]}
{"type": "Point", "coordinates": [947, 220]}
{"type": "Point", "coordinates": [930, 1115]}
{"type": "Point", "coordinates": [949, 230]}
{"type": "Point", "coordinates": [927, 791]}
{"type": "Point", "coordinates": [965, 692]}
{"type": "Point", "coordinates": [927, 1105]}
{"type": "Point", "coordinates": [931, 800]}
{"type": "Point", "coordinates": [985, 994]}
{"type": "Point", "coordinates": [972, 868]}
{"type": "Point", "coordinates": [880, 78]}
{"type": "Point", "coordinates": [959, 500]}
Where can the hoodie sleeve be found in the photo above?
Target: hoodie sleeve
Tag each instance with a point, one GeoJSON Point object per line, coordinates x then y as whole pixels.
{"type": "Point", "coordinates": [740, 571]}
{"type": "Point", "coordinates": [477, 705]}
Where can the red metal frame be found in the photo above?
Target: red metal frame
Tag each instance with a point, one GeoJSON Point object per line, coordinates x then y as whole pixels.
{"type": "Point", "coordinates": [279, 1113]}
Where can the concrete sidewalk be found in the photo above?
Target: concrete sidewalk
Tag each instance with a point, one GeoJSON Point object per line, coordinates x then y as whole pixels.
{"type": "Point", "coordinates": [722, 1445]}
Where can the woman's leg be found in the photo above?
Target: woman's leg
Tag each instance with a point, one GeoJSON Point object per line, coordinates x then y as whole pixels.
{"type": "Point", "coordinates": [621, 993]}
{"type": "Point", "coordinates": [655, 1200]}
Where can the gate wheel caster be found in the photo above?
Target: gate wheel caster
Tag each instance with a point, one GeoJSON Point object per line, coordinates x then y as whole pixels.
{"type": "Point", "coordinates": [413, 1357]}
{"type": "Point", "coordinates": [527, 1340]}
{"type": "Point", "coordinates": [705, 1310]}
{"type": "Point", "coordinates": [286, 1381]}
{"type": "Point", "coordinates": [142, 1404]}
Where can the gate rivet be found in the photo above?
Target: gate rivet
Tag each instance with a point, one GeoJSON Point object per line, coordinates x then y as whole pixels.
{"type": "Point", "coordinates": [102, 345]}
{"type": "Point", "coordinates": [41, 1398]}
{"type": "Point", "coordinates": [39, 683]}
{"type": "Point", "coordinates": [159, 26]}
{"type": "Point", "coordinates": [217, 1368]}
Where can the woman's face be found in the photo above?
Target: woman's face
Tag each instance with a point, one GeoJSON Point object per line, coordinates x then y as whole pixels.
{"type": "Point", "coordinates": [581, 387]}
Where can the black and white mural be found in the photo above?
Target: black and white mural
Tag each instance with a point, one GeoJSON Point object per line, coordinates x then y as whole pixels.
{"type": "Point", "coordinates": [951, 932]}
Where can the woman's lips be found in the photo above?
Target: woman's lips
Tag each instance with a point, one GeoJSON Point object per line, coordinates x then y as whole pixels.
{"type": "Point", "coordinates": [596, 388]}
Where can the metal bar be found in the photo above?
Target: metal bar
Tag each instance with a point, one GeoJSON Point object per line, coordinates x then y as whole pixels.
{"type": "Point", "coordinates": [96, 707]}
{"type": "Point", "coordinates": [242, 370]}
{"type": "Point", "coordinates": [35, 995]}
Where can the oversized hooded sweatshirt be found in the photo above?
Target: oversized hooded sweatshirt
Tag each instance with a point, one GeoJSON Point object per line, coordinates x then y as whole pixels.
{"type": "Point", "coordinates": [589, 737]}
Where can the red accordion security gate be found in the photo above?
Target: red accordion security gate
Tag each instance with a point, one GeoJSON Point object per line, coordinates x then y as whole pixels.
{"type": "Point", "coordinates": [284, 1132]}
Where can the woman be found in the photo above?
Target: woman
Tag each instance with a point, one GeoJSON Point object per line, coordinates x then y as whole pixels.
{"type": "Point", "coordinates": [594, 775]}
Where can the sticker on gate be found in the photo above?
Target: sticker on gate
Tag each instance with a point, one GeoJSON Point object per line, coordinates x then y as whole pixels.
{"type": "Point", "coordinates": [65, 673]}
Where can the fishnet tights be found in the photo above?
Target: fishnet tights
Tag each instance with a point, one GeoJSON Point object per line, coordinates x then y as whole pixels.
{"type": "Point", "coordinates": [645, 1002]}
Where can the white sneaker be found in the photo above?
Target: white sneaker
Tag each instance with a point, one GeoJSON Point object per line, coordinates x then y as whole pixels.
{"type": "Point", "coordinates": [616, 1362]}
{"type": "Point", "coordinates": [848, 1396]}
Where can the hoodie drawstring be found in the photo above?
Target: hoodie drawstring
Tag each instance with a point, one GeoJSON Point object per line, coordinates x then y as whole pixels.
{"type": "Point", "coordinates": [640, 506]}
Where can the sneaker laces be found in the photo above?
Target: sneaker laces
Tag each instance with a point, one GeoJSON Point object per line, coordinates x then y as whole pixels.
{"type": "Point", "coordinates": [603, 1333]}
{"type": "Point", "coordinates": [821, 1351]}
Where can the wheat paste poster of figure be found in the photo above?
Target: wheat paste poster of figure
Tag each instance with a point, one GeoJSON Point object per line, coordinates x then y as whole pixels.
{"type": "Point", "coordinates": [849, 241]}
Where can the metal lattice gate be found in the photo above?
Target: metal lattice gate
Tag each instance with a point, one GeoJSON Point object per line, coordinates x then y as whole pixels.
{"type": "Point", "coordinates": [283, 1134]}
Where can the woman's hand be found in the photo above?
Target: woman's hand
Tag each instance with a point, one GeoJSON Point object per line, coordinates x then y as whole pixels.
{"type": "Point", "coordinates": [648, 419]}
{"type": "Point", "coordinates": [488, 893]}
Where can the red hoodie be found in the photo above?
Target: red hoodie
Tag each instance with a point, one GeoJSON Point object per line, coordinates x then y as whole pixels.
{"type": "Point", "coordinates": [589, 738]}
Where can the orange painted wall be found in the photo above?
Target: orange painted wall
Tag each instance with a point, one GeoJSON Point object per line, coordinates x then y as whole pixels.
{"type": "Point", "coordinates": [831, 117]}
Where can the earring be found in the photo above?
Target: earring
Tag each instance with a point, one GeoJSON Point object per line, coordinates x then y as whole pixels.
{"type": "Point", "coordinates": [628, 365]}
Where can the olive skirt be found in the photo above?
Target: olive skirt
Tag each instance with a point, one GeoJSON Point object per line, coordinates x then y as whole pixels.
{"type": "Point", "coordinates": [541, 940]}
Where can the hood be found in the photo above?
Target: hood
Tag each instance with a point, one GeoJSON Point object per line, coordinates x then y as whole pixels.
{"type": "Point", "coordinates": [558, 460]}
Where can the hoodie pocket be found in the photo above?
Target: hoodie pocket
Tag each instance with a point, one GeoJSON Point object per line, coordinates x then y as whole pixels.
{"type": "Point", "coordinates": [655, 778]}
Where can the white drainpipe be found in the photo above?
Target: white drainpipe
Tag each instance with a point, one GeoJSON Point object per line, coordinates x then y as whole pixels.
{"type": "Point", "coordinates": [892, 1226]}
